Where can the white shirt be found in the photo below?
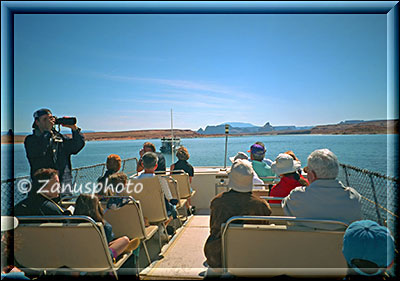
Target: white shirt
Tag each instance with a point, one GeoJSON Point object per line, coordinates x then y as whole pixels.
{"type": "Point", "coordinates": [257, 180]}
{"type": "Point", "coordinates": [163, 183]}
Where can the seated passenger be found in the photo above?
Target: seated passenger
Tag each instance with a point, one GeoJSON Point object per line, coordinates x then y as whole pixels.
{"type": "Point", "coordinates": [369, 250]}
{"type": "Point", "coordinates": [113, 165]}
{"type": "Point", "coordinates": [87, 205]}
{"type": "Point", "coordinates": [287, 168]}
{"type": "Point", "coordinates": [291, 153]}
{"type": "Point", "coordinates": [149, 147]}
{"type": "Point", "coordinates": [182, 164]}
{"type": "Point", "coordinates": [325, 197]}
{"type": "Point", "coordinates": [150, 165]}
{"type": "Point", "coordinates": [43, 198]}
{"type": "Point", "coordinates": [260, 165]}
{"type": "Point", "coordinates": [256, 180]}
{"type": "Point", "coordinates": [238, 201]}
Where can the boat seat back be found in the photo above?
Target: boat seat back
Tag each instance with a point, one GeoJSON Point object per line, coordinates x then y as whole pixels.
{"type": "Point", "coordinates": [127, 221]}
{"type": "Point", "coordinates": [175, 192]}
{"type": "Point", "coordinates": [276, 210]}
{"type": "Point", "coordinates": [183, 185]}
{"type": "Point", "coordinates": [151, 198]}
{"type": "Point", "coordinates": [79, 246]}
{"type": "Point", "coordinates": [274, 250]}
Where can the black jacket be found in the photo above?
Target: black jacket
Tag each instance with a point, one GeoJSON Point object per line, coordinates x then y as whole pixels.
{"type": "Point", "coordinates": [38, 205]}
{"type": "Point", "coordinates": [53, 150]}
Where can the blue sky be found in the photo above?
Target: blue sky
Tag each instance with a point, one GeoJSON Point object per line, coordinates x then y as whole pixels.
{"type": "Point", "coordinates": [126, 72]}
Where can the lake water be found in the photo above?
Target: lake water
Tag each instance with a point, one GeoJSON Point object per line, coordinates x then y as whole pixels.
{"type": "Point", "coordinates": [372, 152]}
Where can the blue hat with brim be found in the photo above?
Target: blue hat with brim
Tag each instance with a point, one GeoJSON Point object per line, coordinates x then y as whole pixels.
{"type": "Point", "coordinates": [367, 240]}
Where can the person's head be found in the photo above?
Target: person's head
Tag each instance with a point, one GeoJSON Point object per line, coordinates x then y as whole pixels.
{"type": "Point", "coordinates": [239, 155]}
{"type": "Point", "coordinates": [118, 181]}
{"type": "Point", "coordinates": [322, 164]}
{"type": "Point", "coordinates": [182, 153]}
{"type": "Point", "coordinates": [88, 205]}
{"type": "Point", "coordinates": [113, 162]}
{"type": "Point", "coordinates": [368, 248]}
{"type": "Point", "coordinates": [285, 164]}
{"type": "Point", "coordinates": [150, 161]}
{"type": "Point", "coordinates": [291, 153]}
{"type": "Point", "coordinates": [241, 176]}
{"type": "Point", "coordinates": [257, 151]}
{"type": "Point", "coordinates": [149, 147]}
{"type": "Point", "coordinates": [43, 120]}
{"type": "Point", "coordinates": [47, 182]}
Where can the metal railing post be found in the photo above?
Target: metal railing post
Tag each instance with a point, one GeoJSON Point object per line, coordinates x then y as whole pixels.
{"type": "Point", "coordinates": [375, 199]}
{"type": "Point", "coordinates": [347, 176]}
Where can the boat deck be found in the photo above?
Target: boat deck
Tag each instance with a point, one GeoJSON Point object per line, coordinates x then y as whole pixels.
{"type": "Point", "coordinates": [176, 263]}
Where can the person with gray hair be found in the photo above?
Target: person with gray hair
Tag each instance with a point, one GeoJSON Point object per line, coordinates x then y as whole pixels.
{"type": "Point", "coordinates": [325, 197]}
{"type": "Point", "coordinates": [150, 161]}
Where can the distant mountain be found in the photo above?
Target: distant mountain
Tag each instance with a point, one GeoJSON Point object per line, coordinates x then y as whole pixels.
{"type": "Point", "coordinates": [239, 124]}
{"type": "Point", "coordinates": [247, 128]}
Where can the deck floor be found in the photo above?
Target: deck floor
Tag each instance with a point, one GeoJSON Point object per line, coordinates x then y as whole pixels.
{"type": "Point", "coordinates": [176, 262]}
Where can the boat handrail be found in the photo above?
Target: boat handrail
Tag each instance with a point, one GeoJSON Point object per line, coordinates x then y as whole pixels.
{"type": "Point", "coordinates": [281, 218]}
{"type": "Point", "coordinates": [272, 198]}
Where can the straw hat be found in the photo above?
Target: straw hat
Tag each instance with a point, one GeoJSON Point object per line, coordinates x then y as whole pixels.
{"type": "Point", "coordinates": [241, 176]}
{"type": "Point", "coordinates": [284, 164]}
{"type": "Point", "coordinates": [239, 155]}
{"type": "Point", "coordinates": [8, 223]}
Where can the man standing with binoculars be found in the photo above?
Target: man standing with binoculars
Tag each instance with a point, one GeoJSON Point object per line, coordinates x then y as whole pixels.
{"type": "Point", "coordinates": [47, 148]}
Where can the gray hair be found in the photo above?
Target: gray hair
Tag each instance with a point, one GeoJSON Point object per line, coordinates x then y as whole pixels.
{"type": "Point", "coordinates": [324, 164]}
{"type": "Point", "coordinates": [149, 160]}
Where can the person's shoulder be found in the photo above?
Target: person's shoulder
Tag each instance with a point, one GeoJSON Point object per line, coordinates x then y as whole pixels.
{"type": "Point", "coordinates": [217, 198]}
{"type": "Point", "coordinates": [297, 192]}
{"type": "Point", "coordinates": [159, 155]}
{"type": "Point", "coordinates": [29, 138]}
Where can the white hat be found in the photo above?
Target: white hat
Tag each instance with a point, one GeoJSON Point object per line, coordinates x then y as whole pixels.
{"type": "Point", "coordinates": [284, 164]}
{"type": "Point", "coordinates": [8, 223]}
{"type": "Point", "coordinates": [241, 176]}
{"type": "Point", "coordinates": [239, 155]}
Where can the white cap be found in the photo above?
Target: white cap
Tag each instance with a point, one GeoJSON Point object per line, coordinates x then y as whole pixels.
{"type": "Point", "coordinates": [284, 164]}
{"type": "Point", "coordinates": [241, 176]}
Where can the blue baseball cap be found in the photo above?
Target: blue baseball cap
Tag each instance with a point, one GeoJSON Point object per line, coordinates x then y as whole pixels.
{"type": "Point", "coordinates": [367, 240]}
{"type": "Point", "coordinates": [257, 149]}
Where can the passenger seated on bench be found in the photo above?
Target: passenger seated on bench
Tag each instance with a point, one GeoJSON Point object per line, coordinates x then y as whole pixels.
{"type": "Point", "coordinates": [115, 185]}
{"type": "Point", "coordinates": [256, 179]}
{"type": "Point", "coordinates": [369, 250]}
{"type": "Point", "coordinates": [150, 147]}
{"type": "Point", "coordinates": [182, 164]}
{"type": "Point", "coordinates": [238, 201]}
{"type": "Point", "coordinates": [261, 165]}
{"type": "Point", "coordinates": [325, 197]}
{"type": "Point", "coordinates": [44, 196]}
{"type": "Point", "coordinates": [149, 160]}
{"type": "Point", "coordinates": [113, 164]}
{"type": "Point", "coordinates": [299, 170]}
{"type": "Point", "coordinates": [87, 205]}
{"type": "Point", "coordinates": [285, 166]}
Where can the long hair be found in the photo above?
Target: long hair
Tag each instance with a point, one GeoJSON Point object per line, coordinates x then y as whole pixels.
{"type": "Point", "coordinates": [87, 205]}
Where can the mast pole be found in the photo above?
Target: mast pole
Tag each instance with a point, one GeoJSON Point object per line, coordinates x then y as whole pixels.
{"type": "Point", "coordinates": [172, 141]}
